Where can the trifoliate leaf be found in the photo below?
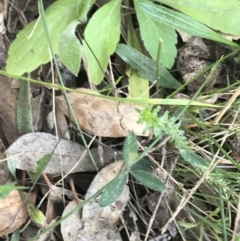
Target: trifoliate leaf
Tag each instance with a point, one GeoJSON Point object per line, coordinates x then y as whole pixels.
{"type": "Point", "coordinates": [101, 36]}
{"type": "Point", "coordinates": [151, 32]}
{"type": "Point", "coordinates": [69, 49]}
{"type": "Point", "coordinates": [30, 49]}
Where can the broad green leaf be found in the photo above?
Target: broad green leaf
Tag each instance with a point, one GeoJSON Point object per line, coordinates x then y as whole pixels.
{"type": "Point", "coordinates": [69, 49]}
{"type": "Point", "coordinates": [36, 216]}
{"type": "Point", "coordinates": [146, 67]}
{"type": "Point", "coordinates": [113, 190]}
{"type": "Point", "coordinates": [149, 180]}
{"type": "Point", "coordinates": [181, 21]}
{"type": "Point", "coordinates": [42, 165]}
{"type": "Point", "coordinates": [24, 109]}
{"type": "Point", "coordinates": [193, 158]}
{"type": "Point", "coordinates": [101, 36]}
{"type": "Point", "coordinates": [151, 32]}
{"type": "Point", "coordinates": [211, 13]}
{"type": "Point", "coordinates": [130, 149]}
{"type": "Point", "coordinates": [138, 86]}
{"type": "Point", "coordinates": [30, 49]}
{"type": "Point", "coordinates": [5, 189]}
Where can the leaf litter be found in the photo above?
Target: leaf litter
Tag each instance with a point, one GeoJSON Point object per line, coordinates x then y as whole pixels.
{"type": "Point", "coordinates": [106, 119]}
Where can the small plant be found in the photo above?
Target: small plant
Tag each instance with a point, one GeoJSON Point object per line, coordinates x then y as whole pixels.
{"type": "Point", "coordinates": [137, 166]}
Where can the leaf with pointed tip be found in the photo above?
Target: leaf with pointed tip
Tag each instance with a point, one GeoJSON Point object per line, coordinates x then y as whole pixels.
{"type": "Point", "coordinates": [69, 49]}
{"type": "Point", "coordinates": [149, 180]}
{"type": "Point", "coordinates": [130, 149]}
{"type": "Point", "coordinates": [30, 49]}
{"type": "Point", "coordinates": [7, 188]}
{"type": "Point", "coordinates": [146, 67]}
{"type": "Point", "coordinates": [151, 32]}
{"type": "Point", "coordinates": [181, 21]}
{"type": "Point", "coordinates": [36, 216]}
{"type": "Point", "coordinates": [193, 158]}
{"type": "Point", "coordinates": [101, 37]}
{"type": "Point", "coordinates": [41, 165]}
{"type": "Point", "coordinates": [211, 13]}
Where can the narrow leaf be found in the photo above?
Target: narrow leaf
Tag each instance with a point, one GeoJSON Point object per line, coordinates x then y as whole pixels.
{"type": "Point", "coordinates": [24, 109]}
{"type": "Point", "coordinates": [130, 149]}
{"type": "Point", "coordinates": [193, 158]}
{"type": "Point", "coordinates": [149, 180]}
{"type": "Point", "coordinates": [7, 188]}
{"type": "Point", "coordinates": [211, 13]}
{"type": "Point", "coordinates": [69, 49]}
{"type": "Point", "coordinates": [152, 31]}
{"type": "Point", "coordinates": [30, 49]}
{"type": "Point", "coordinates": [146, 67]}
{"type": "Point", "coordinates": [41, 165]}
{"type": "Point", "coordinates": [181, 21]}
{"type": "Point", "coordinates": [138, 86]}
{"type": "Point", "coordinates": [113, 190]}
{"type": "Point", "coordinates": [101, 36]}
{"type": "Point", "coordinates": [36, 216]}
{"type": "Point", "coordinates": [15, 235]}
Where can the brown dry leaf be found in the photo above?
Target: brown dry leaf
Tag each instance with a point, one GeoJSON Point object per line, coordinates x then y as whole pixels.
{"type": "Point", "coordinates": [30, 148]}
{"type": "Point", "coordinates": [102, 117]}
{"type": "Point", "coordinates": [68, 230]}
{"type": "Point", "coordinates": [97, 230]}
{"type": "Point", "coordinates": [8, 109]}
{"type": "Point", "coordinates": [9, 208]}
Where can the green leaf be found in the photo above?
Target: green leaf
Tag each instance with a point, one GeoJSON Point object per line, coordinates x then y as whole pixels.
{"type": "Point", "coordinates": [15, 235]}
{"type": "Point", "coordinates": [193, 158]}
{"type": "Point", "coordinates": [138, 86]}
{"type": "Point", "coordinates": [101, 36]}
{"type": "Point", "coordinates": [42, 165]}
{"type": "Point", "coordinates": [149, 180]}
{"type": "Point", "coordinates": [24, 109]}
{"type": "Point", "coordinates": [146, 67]}
{"type": "Point", "coordinates": [181, 21]}
{"type": "Point", "coordinates": [151, 32]}
{"type": "Point", "coordinates": [7, 188]}
{"type": "Point", "coordinates": [69, 49]}
{"type": "Point", "coordinates": [30, 49]}
{"type": "Point", "coordinates": [113, 190]}
{"type": "Point", "coordinates": [143, 164]}
{"type": "Point", "coordinates": [211, 13]}
{"type": "Point", "coordinates": [11, 165]}
{"type": "Point", "coordinates": [130, 149]}
{"type": "Point", "coordinates": [36, 216]}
